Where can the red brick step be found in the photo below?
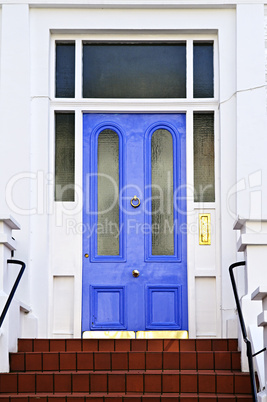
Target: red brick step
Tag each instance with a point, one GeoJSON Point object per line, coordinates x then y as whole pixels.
{"type": "Point", "coordinates": [97, 370]}
{"type": "Point", "coordinates": [125, 398]}
{"type": "Point", "coordinates": [125, 361]}
{"type": "Point", "coordinates": [130, 382]}
{"type": "Point", "coordinates": [137, 345]}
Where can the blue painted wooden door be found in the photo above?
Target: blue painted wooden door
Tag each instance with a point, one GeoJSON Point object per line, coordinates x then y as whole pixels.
{"type": "Point", "coordinates": [131, 159]}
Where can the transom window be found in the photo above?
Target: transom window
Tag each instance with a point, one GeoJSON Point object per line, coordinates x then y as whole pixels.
{"type": "Point", "coordinates": [135, 70]}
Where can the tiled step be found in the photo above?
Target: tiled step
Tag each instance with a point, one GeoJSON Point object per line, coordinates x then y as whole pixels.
{"type": "Point", "coordinates": [129, 382]}
{"type": "Point", "coordinates": [126, 398]}
{"type": "Point", "coordinates": [125, 361]}
{"type": "Point", "coordinates": [120, 370]}
{"type": "Point", "coordinates": [137, 345]}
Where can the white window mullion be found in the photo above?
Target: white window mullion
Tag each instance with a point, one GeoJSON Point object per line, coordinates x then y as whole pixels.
{"type": "Point", "coordinates": [190, 221]}
{"type": "Point", "coordinates": [189, 69]}
{"type": "Point", "coordinates": [78, 155]}
{"type": "Point", "coordinates": [216, 69]}
{"type": "Point", "coordinates": [52, 68]}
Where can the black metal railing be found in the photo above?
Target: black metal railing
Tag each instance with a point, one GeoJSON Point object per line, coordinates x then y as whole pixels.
{"type": "Point", "coordinates": [14, 288]}
{"type": "Point", "coordinates": [244, 331]}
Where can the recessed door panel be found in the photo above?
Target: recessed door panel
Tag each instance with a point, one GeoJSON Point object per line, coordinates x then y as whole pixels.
{"type": "Point", "coordinates": [135, 277]}
{"type": "Point", "coordinates": [163, 307]}
{"type": "Point", "coordinates": [108, 307]}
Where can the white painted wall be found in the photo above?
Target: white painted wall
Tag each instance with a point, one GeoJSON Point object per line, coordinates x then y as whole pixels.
{"type": "Point", "coordinates": [51, 248]}
{"type": "Point", "coordinates": [15, 149]}
{"type": "Point", "coordinates": [250, 101]}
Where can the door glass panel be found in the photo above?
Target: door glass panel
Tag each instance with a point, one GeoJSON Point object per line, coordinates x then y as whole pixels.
{"type": "Point", "coordinates": [162, 193]}
{"type": "Point", "coordinates": [108, 193]}
{"type": "Point", "coordinates": [134, 70]}
{"type": "Point", "coordinates": [204, 181]}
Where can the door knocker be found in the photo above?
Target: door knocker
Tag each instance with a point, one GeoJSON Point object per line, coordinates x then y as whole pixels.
{"type": "Point", "coordinates": [136, 200]}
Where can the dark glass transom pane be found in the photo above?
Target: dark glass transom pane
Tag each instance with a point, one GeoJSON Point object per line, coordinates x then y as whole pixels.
{"type": "Point", "coordinates": [204, 157]}
{"type": "Point", "coordinates": [203, 70]}
{"type": "Point", "coordinates": [162, 193]}
{"type": "Point", "coordinates": [64, 157]}
{"type": "Point", "coordinates": [65, 70]}
{"type": "Point", "coordinates": [134, 70]}
{"type": "Point", "coordinates": [108, 193]}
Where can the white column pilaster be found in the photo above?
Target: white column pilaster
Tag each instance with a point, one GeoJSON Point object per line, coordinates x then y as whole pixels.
{"type": "Point", "coordinates": [7, 244]}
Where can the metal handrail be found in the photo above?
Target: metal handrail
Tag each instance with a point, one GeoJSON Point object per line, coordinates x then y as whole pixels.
{"type": "Point", "coordinates": [243, 329]}
{"type": "Point", "coordinates": [14, 288]}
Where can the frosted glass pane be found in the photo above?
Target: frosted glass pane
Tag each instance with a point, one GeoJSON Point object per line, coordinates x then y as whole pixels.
{"type": "Point", "coordinates": [64, 157]}
{"type": "Point", "coordinates": [162, 193]}
{"type": "Point", "coordinates": [134, 70]}
{"type": "Point", "coordinates": [108, 193]}
{"type": "Point", "coordinates": [65, 70]}
{"type": "Point", "coordinates": [203, 70]}
{"type": "Point", "coordinates": [204, 157]}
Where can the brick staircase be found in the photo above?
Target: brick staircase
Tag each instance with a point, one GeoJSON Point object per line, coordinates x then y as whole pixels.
{"type": "Point", "coordinates": [89, 370]}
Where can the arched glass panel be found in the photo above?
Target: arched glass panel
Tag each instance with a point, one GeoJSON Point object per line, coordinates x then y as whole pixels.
{"type": "Point", "coordinates": [162, 193]}
{"type": "Point", "coordinates": [108, 193]}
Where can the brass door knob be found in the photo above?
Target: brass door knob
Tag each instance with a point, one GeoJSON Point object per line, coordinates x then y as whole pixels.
{"type": "Point", "coordinates": [135, 273]}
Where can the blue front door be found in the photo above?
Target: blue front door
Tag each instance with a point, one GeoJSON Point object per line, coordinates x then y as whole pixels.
{"type": "Point", "coordinates": [134, 221]}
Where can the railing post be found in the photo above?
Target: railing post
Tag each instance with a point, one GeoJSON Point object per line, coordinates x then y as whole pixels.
{"type": "Point", "coordinates": [244, 330]}
{"type": "Point", "coordinates": [13, 290]}
{"type": "Point", "coordinates": [7, 245]}
{"type": "Point", "coordinates": [252, 242]}
{"type": "Point", "coordinates": [261, 294]}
